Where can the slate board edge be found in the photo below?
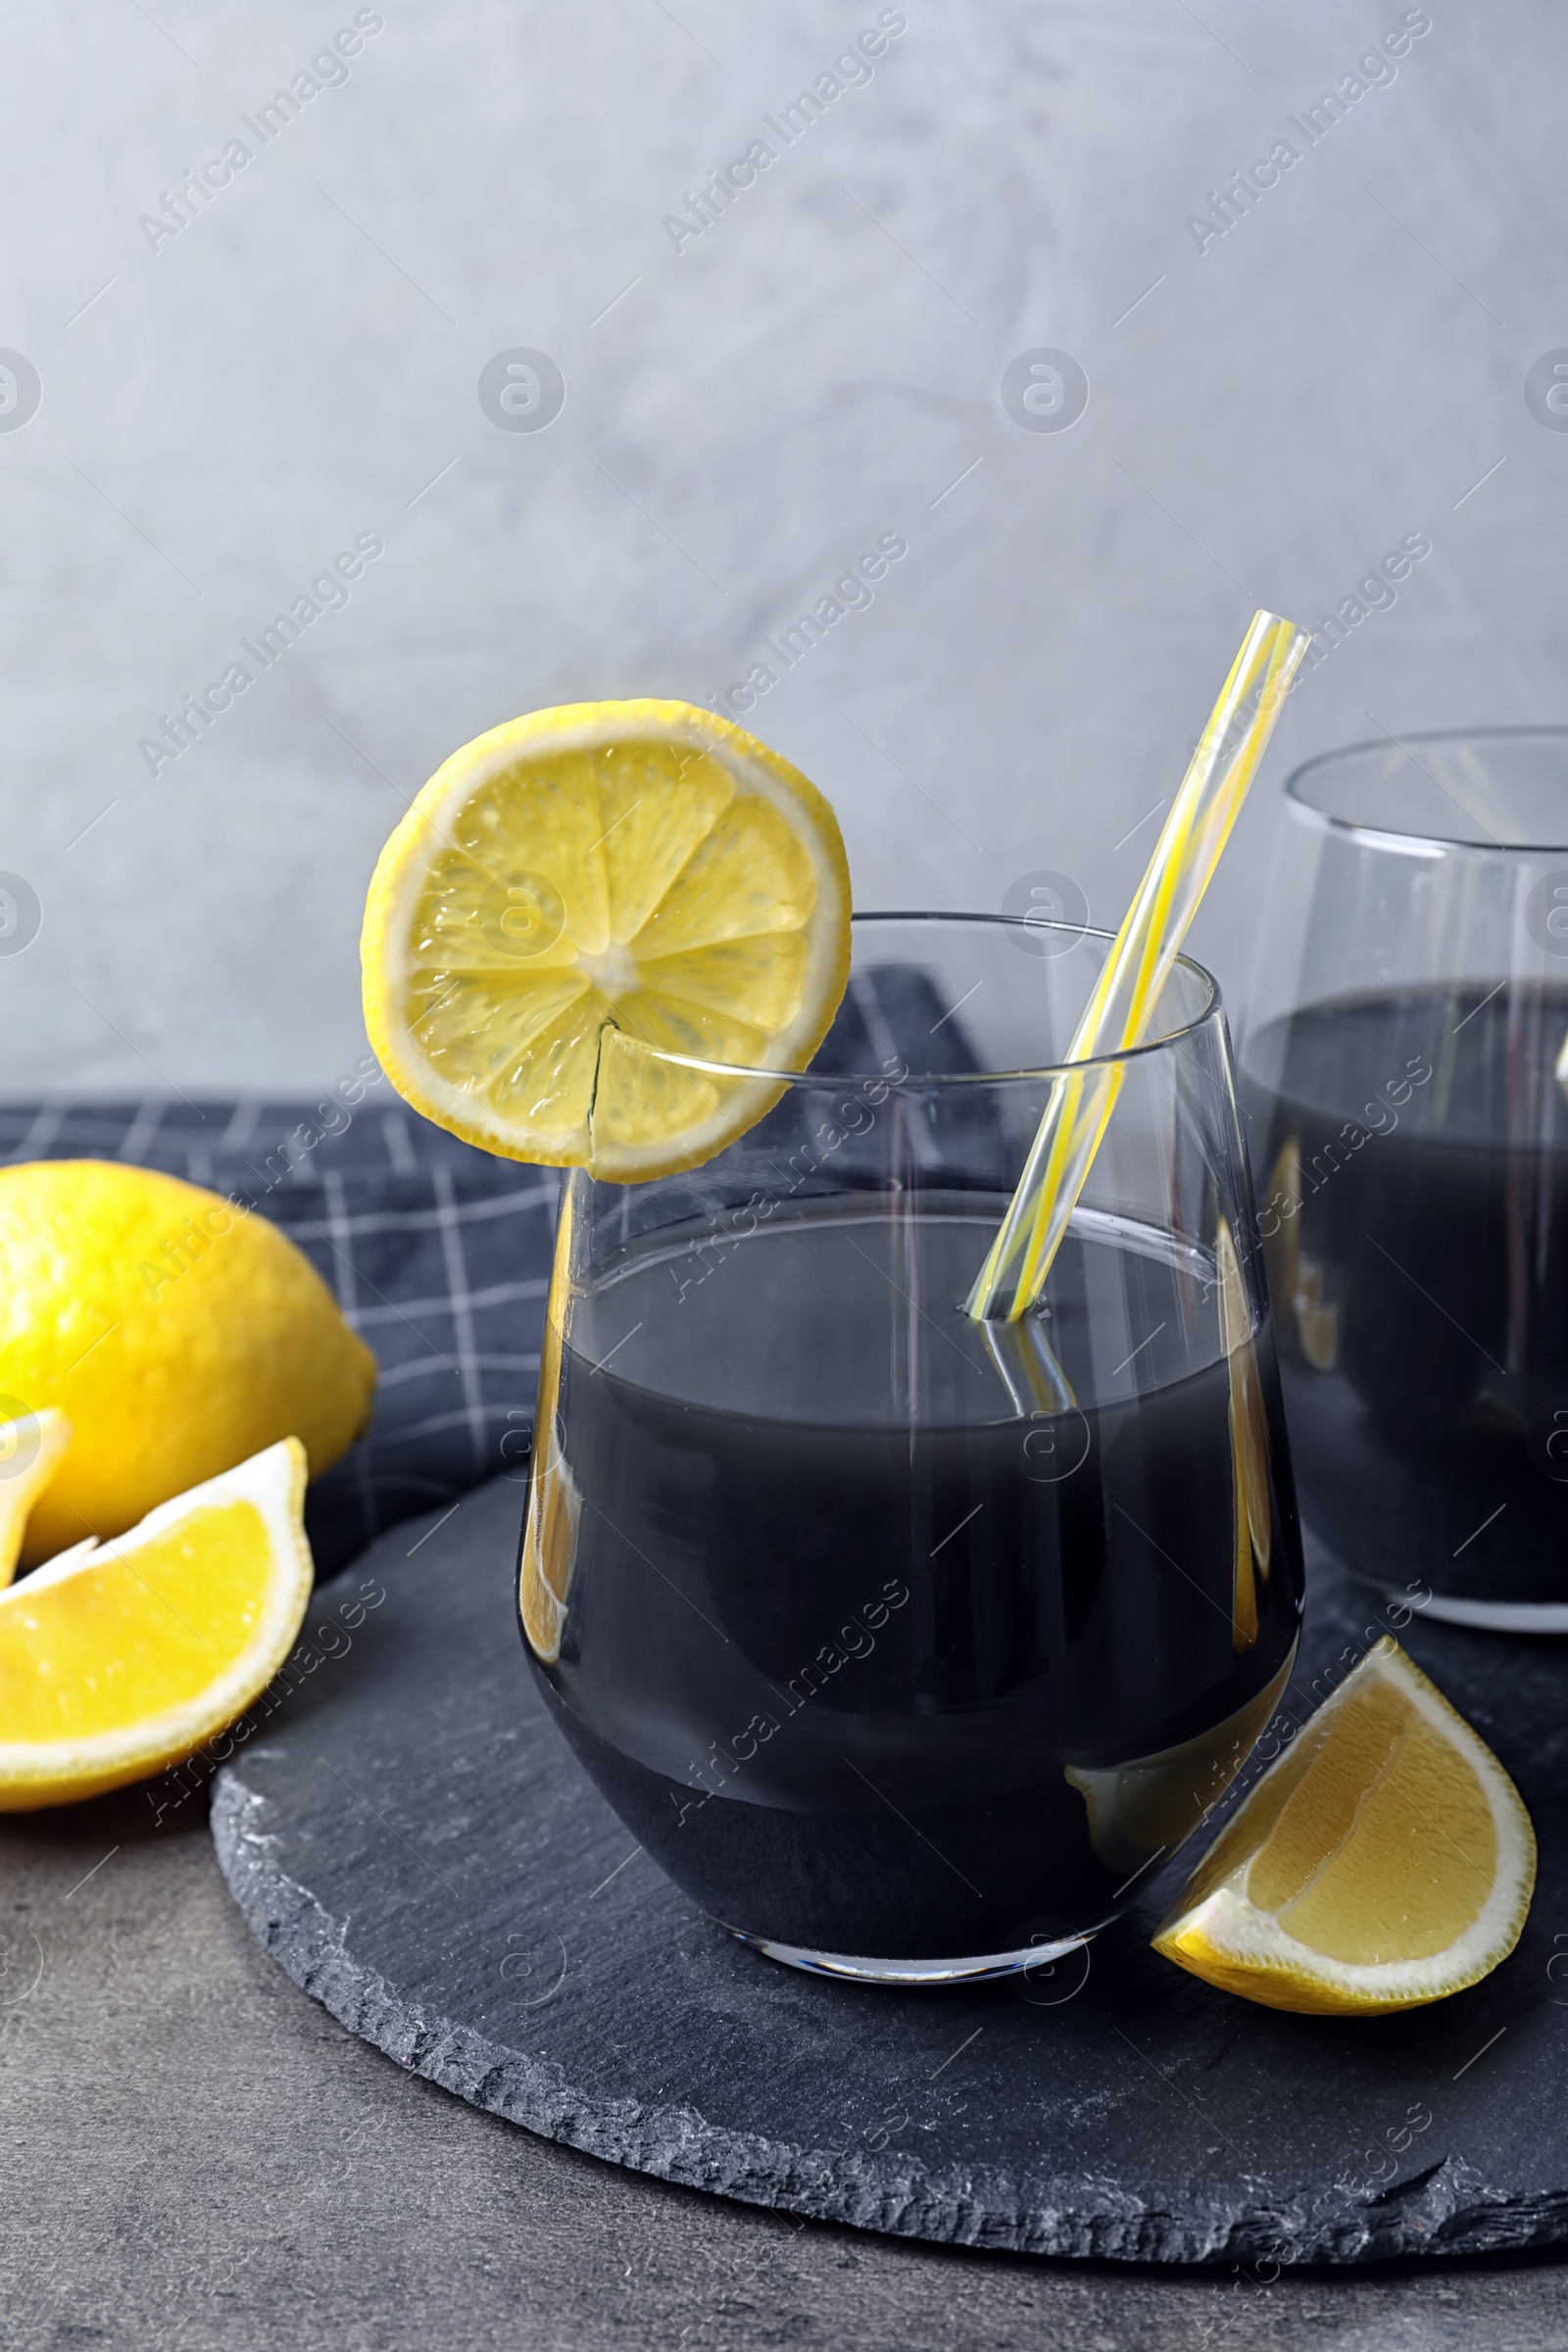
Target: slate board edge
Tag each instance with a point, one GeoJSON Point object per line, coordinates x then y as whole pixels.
{"type": "Point", "coordinates": [1439, 2212]}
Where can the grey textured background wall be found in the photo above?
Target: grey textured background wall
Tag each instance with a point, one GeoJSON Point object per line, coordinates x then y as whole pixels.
{"type": "Point", "coordinates": [225, 408]}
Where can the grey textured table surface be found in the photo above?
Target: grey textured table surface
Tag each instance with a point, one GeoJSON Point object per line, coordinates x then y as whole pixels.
{"type": "Point", "coordinates": [194, 2154]}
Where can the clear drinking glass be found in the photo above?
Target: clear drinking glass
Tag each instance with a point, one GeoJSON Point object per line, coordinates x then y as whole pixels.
{"type": "Point", "coordinates": [907, 1643]}
{"type": "Point", "coordinates": [1405, 1081]}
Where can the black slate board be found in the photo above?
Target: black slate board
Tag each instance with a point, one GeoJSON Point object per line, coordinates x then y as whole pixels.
{"type": "Point", "coordinates": [416, 1846]}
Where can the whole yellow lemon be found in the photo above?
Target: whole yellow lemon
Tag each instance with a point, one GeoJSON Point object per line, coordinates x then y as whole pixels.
{"type": "Point", "coordinates": [178, 1334]}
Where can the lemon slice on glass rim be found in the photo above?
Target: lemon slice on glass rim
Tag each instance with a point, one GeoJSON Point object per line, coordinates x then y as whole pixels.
{"type": "Point", "coordinates": [582, 884]}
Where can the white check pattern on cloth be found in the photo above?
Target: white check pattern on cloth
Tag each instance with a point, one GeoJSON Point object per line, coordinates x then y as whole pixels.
{"type": "Point", "coordinates": [438, 1256]}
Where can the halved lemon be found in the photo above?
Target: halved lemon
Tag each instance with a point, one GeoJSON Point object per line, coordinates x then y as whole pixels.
{"type": "Point", "coordinates": [31, 1449]}
{"type": "Point", "coordinates": [582, 884]}
{"type": "Point", "coordinates": [118, 1658]}
{"type": "Point", "coordinates": [1384, 1860]}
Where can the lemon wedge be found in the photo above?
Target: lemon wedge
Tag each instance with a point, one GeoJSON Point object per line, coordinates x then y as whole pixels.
{"type": "Point", "coordinates": [31, 1447]}
{"type": "Point", "coordinates": [584, 883]}
{"type": "Point", "coordinates": [1384, 1860]}
{"type": "Point", "coordinates": [118, 1658]}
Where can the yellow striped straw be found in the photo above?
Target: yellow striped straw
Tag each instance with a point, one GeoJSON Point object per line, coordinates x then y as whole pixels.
{"type": "Point", "coordinates": [1119, 1011]}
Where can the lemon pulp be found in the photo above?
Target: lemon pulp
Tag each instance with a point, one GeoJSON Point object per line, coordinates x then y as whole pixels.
{"type": "Point", "coordinates": [118, 1659]}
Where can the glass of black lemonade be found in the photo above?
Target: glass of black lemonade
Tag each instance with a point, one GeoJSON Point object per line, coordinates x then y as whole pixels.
{"type": "Point", "coordinates": [905, 1643]}
{"type": "Point", "coordinates": [1405, 1084]}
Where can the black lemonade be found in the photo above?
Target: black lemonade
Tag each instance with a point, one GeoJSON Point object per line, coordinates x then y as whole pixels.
{"type": "Point", "coordinates": [1411, 1156]}
{"type": "Point", "coordinates": [878, 1642]}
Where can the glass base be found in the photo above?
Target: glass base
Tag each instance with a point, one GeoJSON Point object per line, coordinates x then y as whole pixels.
{"type": "Point", "coordinates": [1493, 1616]}
{"type": "Point", "coordinates": [916, 1973]}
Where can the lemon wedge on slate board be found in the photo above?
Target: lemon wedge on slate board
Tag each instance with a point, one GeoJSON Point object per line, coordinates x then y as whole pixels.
{"type": "Point", "coordinates": [118, 1658]}
{"type": "Point", "coordinates": [592, 879]}
{"type": "Point", "coordinates": [1384, 1860]}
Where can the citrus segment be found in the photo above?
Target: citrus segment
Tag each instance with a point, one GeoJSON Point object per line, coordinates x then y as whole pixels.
{"type": "Point", "coordinates": [640, 868]}
{"type": "Point", "coordinates": [125, 1657]}
{"type": "Point", "coordinates": [1384, 1860]}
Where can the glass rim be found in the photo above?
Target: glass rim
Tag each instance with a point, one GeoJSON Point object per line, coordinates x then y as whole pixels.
{"type": "Point", "coordinates": [1211, 1009]}
{"type": "Point", "coordinates": [1439, 843]}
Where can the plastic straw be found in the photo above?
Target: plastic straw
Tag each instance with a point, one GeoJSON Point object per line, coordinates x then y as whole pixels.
{"type": "Point", "coordinates": [1119, 1011]}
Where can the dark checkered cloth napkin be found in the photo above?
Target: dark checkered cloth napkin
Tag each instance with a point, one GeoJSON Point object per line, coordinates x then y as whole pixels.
{"type": "Point", "coordinates": [437, 1255]}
